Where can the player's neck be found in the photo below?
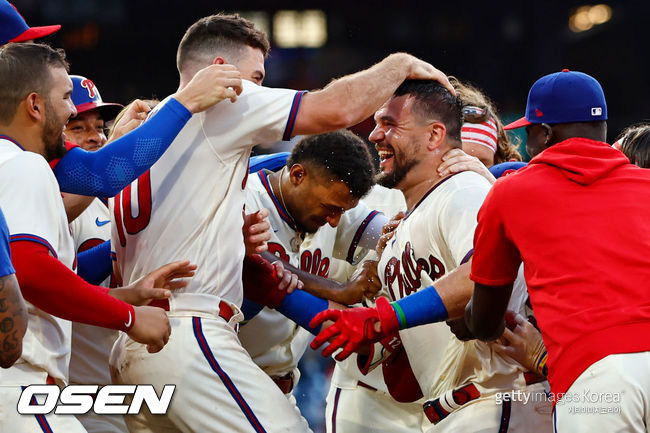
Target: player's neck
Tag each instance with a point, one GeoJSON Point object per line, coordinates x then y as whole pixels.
{"type": "Point", "coordinates": [279, 188]}
{"type": "Point", "coordinates": [414, 192]}
{"type": "Point", "coordinates": [27, 137]}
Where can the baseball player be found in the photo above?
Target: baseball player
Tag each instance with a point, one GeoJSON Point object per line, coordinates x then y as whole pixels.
{"type": "Point", "coordinates": [34, 107]}
{"type": "Point", "coordinates": [459, 380]}
{"type": "Point", "coordinates": [91, 345]}
{"type": "Point", "coordinates": [315, 219]}
{"type": "Point", "coordinates": [13, 314]}
{"type": "Point", "coordinates": [594, 324]}
{"type": "Point", "coordinates": [199, 184]}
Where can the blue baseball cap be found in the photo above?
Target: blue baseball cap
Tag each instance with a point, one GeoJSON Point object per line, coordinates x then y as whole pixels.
{"type": "Point", "coordinates": [564, 97]}
{"type": "Point", "coordinates": [13, 27]}
{"type": "Point", "coordinates": [85, 97]}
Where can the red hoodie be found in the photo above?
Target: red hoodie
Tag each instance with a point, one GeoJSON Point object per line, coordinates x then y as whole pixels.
{"type": "Point", "coordinates": [577, 216]}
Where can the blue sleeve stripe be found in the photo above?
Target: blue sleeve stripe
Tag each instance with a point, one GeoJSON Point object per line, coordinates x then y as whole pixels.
{"type": "Point", "coordinates": [468, 256]}
{"type": "Point", "coordinates": [33, 238]}
{"type": "Point", "coordinates": [357, 236]}
{"type": "Point", "coordinates": [113, 256]}
{"type": "Point", "coordinates": [293, 113]}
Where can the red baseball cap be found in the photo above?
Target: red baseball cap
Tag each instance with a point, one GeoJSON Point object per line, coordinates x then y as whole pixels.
{"type": "Point", "coordinates": [13, 27]}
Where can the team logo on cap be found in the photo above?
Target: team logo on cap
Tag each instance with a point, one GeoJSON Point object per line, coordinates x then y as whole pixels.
{"type": "Point", "coordinates": [538, 112]}
{"type": "Point", "coordinates": [89, 86]}
{"type": "Point", "coordinates": [596, 111]}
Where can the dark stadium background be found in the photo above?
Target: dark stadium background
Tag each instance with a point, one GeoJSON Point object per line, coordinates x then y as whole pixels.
{"type": "Point", "coordinates": [127, 47]}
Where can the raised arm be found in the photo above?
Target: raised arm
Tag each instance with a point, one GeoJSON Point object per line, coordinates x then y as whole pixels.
{"type": "Point", "coordinates": [353, 98]}
{"type": "Point", "coordinates": [96, 173]}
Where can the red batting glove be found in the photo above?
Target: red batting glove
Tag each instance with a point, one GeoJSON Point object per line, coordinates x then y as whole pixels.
{"type": "Point", "coordinates": [354, 327]}
{"type": "Point", "coordinates": [261, 282]}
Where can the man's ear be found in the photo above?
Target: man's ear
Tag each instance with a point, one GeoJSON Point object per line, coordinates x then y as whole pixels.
{"type": "Point", "coordinates": [437, 135]}
{"type": "Point", "coordinates": [35, 106]}
{"type": "Point", "coordinates": [219, 61]}
{"type": "Point", "coordinates": [297, 174]}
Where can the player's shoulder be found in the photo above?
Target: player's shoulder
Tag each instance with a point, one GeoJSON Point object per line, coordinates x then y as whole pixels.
{"type": "Point", "coordinates": [24, 163]}
{"type": "Point", "coordinates": [468, 179]}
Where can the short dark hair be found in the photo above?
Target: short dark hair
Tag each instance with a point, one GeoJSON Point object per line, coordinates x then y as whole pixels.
{"type": "Point", "coordinates": [25, 69]}
{"type": "Point", "coordinates": [434, 101]}
{"type": "Point", "coordinates": [342, 154]}
{"type": "Point", "coordinates": [219, 33]}
{"type": "Point", "coordinates": [635, 144]}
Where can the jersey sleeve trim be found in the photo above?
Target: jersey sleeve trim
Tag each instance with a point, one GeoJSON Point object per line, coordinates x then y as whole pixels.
{"type": "Point", "coordinates": [113, 256]}
{"type": "Point", "coordinates": [33, 238]}
{"type": "Point", "coordinates": [293, 113]}
{"type": "Point", "coordinates": [5, 137]}
{"type": "Point", "coordinates": [468, 256]}
{"type": "Point", "coordinates": [491, 282]}
{"type": "Point", "coordinates": [359, 234]}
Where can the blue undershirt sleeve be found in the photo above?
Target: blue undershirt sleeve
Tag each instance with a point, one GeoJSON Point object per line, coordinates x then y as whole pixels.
{"type": "Point", "coordinates": [6, 268]}
{"type": "Point", "coordinates": [422, 307]}
{"type": "Point", "coordinates": [109, 170]}
{"type": "Point", "coordinates": [301, 307]}
{"type": "Point", "coordinates": [95, 265]}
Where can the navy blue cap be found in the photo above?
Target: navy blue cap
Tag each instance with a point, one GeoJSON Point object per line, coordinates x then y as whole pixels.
{"type": "Point", "coordinates": [564, 97]}
{"type": "Point", "coordinates": [13, 27]}
{"type": "Point", "coordinates": [506, 168]}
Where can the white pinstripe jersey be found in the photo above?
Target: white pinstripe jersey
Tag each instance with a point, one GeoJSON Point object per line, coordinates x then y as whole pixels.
{"type": "Point", "coordinates": [31, 201]}
{"type": "Point", "coordinates": [188, 206]}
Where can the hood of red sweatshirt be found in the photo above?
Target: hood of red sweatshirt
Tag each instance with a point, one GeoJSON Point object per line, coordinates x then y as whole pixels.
{"type": "Point", "coordinates": [582, 160]}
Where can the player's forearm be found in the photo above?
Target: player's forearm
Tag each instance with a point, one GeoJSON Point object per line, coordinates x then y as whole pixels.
{"type": "Point", "coordinates": [55, 289]}
{"type": "Point", "coordinates": [13, 321]}
{"type": "Point", "coordinates": [353, 98]}
{"type": "Point", "coordinates": [96, 174]}
{"type": "Point", "coordinates": [484, 315]}
{"type": "Point", "coordinates": [316, 285]}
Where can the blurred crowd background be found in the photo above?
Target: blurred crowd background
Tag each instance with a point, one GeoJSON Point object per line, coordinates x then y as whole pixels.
{"type": "Point", "coordinates": [128, 49]}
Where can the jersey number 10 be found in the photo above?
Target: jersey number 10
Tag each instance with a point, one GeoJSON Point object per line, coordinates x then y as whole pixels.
{"type": "Point", "coordinates": [124, 208]}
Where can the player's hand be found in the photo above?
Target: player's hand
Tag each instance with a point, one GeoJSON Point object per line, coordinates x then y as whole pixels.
{"type": "Point", "coordinates": [455, 161]}
{"type": "Point", "coordinates": [421, 70]}
{"type": "Point", "coordinates": [459, 329]}
{"type": "Point", "coordinates": [266, 283]}
{"type": "Point", "coordinates": [522, 342]}
{"type": "Point", "coordinates": [135, 113]}
{"type": "Point", "coordinates": [210, 86]}
{"type": "Point", "coordinates": [150, 327]}
{"type": "Point", "coordinates": [288, 281]}
{"type": "Point", "coordinates": [364, 283]}
{"type": "Point", "coordinates": [257, 231]}
{"type": "Point", "coordinates": [354, 327]}
{"type": "Point", "coordinates": [157, 284]}
{"type": "Point", "coordinates": [387, 232]}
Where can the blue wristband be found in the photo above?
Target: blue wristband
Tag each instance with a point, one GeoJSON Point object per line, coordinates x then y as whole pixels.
{"type": "Point", "coordinates": [424, 306]}
{"type": "Point", "coordinates": [95, 265]}
{"type": "Point", "coordinates": [301, 307]}
{"type": "Point", "coordinates": [109, 170]}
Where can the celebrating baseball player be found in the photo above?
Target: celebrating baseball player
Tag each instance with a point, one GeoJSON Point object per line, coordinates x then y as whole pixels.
{"type": "Point", "coordinates": [420, 123]}
{"type": "Point", "coordinates": [594, 323]}
{"type": "Point", "coordinates": [198, 185]}
{"type": "Point", "coordinates": [315, 219]}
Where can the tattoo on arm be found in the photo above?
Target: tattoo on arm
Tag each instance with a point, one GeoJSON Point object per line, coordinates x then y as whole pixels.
{"type": "Point", "coordinates": [13, 320]}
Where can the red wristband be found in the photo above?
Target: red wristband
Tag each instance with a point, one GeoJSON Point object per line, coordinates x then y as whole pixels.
{"type": "Point", "coordinates": [387, 316]}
